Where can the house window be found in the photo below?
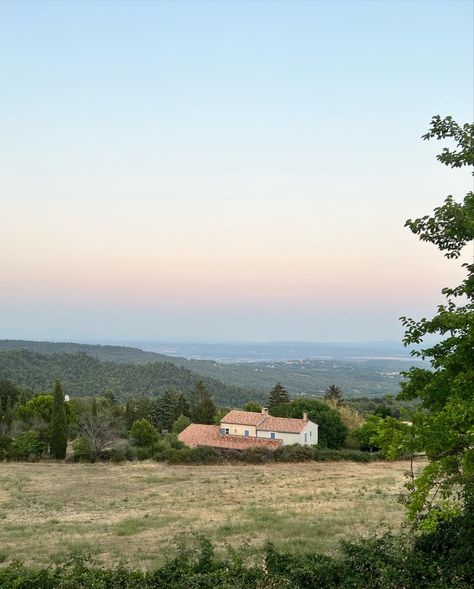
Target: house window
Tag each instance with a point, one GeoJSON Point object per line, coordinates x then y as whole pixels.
{"type": "Point", "coordinates": [272, 435]}
{"type": "Point", "coordinates": [246, 433]}
{"type": "Point", "coordinates": [224, 431]}
{"type": "Point", "coordinates": [306, 438]}
{"type": "Point", "coordinates": [235, 431]}
{"type": "Point", "coordinates": [310, 433]}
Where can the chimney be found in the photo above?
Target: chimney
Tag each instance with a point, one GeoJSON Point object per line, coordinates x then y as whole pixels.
{"type": "Point", "coordinates": [264, 411]}
{"type": "Point", "coordinates": [305, 417]}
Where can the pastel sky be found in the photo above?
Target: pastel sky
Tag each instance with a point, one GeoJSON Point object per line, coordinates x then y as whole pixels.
{"type": "Point", "coordinates": [223, 171]}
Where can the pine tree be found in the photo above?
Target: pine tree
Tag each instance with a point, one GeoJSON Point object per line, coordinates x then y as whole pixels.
{"type": "Point", "coordinates": [333, 395]}
{"type": "Point", "coordinates": [201, 403]}
{"type": "Point", "coordinates": [278, 395]}
{"type": "Point", "coordinates": [58, 442]}
{"type": "Point", "coordinates": [168, 408]}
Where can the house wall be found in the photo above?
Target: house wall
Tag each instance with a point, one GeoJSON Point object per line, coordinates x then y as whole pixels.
{"type": "Point", "coordinates": [286, 438]}
{"type": "Point", "coordinates": [311, 431]}
{"type": "Point", "coordinates": [238, 430]}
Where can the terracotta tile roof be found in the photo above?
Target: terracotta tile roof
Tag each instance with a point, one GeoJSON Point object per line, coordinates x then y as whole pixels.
{"type": "Point", "coordinates": [264, 422]}
{"type": "Point", "coordinates": [243, 417]}
{"type": "Point", "coordinates": [197, 434]}
{"type": "Point", "coordinates": [282, 424]}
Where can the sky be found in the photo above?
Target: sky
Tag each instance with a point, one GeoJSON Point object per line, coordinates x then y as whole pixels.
{"type": "Point", "coordinates": [224, 171]}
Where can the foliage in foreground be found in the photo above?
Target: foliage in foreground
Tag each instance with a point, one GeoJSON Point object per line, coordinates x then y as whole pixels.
{"type": "Point", "coordinates": [443, 423]}
{"type": "Point", "coordinates": [440, 560]}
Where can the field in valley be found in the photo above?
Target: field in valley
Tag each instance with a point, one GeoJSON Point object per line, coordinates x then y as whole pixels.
{"type": "Point", "coordinates": [136, 511]}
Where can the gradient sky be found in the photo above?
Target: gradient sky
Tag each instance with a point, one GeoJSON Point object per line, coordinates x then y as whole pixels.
{"type": "Point", "coordinates": [224, 170]}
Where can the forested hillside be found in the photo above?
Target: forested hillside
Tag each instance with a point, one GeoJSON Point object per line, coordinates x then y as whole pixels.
{"type": "Point", "coordinates": [308, 377]}
{"type": "Point", "coordinates": [124, 354]}
{"type": "Point", "coordinates": [83, 375]}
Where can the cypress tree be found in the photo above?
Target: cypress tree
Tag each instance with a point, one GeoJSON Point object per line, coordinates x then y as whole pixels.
{"type": "Point", "coordinates": [201, 403]}
{"type": "Point", "coordinates": [58, 442]}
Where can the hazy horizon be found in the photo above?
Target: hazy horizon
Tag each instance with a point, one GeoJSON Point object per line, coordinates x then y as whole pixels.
{"type": "Point", "coordinates": [202, 171]}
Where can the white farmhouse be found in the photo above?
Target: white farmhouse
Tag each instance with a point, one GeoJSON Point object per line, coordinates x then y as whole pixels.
{"type": "Point", "coordinates": [261, 425]}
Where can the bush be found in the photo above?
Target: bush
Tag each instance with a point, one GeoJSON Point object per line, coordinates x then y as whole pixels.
{"type": "Point", "coordinates": [326, 455]}
{"type": "Point", "coordinates": [206, 455]}
{"type": "Point", "coordinates": [143, 434]}
{"type": "Point", "coordinates": [27, 446]}
{"type": "Point", "coordinates": [180, 424]}
{"type": "Point", "coordinates": [145, 453]}
{"type": "Point", "coordinates": [295, 453]}
{"type": "Point", "coordinates": [439, 560]}
{"type": "Point", "coordinates": [121, 451]}
{"type": "Point", "coordinates": [5, 445]}
{"type": "Point", "coordinates": [81, 450]}
{"type": "Point", "coordinates": [175, 456]}
{"type": "Point", "coordinates": [257, 455]}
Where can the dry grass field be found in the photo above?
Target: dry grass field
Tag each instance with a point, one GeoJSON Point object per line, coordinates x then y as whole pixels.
{"type": "Point", "coordinates": [134, 512]}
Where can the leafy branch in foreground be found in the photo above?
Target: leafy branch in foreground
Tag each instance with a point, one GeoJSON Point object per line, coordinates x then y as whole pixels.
{"type": "Point", "coordinates": [443, 424]}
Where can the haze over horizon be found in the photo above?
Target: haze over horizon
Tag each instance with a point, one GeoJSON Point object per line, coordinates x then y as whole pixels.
{"type": "Point", "coordinates": [225, 171]}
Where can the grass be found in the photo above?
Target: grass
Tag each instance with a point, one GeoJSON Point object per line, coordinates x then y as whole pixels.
{"type": "Point", "coordinates": [135, 512]}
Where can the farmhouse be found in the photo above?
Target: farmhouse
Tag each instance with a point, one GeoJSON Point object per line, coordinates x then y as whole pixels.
{"type": "Point", "coordinates": [244, 429]}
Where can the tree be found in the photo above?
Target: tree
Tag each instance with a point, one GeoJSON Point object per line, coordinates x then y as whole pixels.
{"type": "Point", "coordinates": [26, 445]}
{"type": "Point", "coordinates": [331, 432]}
{"type": "Point", "coordinates": [180, 424]}
{"type": "Point", "coordinates": [201, 405]}
{"type": "Point", "coordinates": [278, 395]}
{"type": "Point", "coordinates": [366, 433]}
{"type": "Point", "coordinates": [443, 423]}
{"type": "Point", "coordinates": [168, 408]}
{"type": "Point", "coordinates": [253, 407]}
{"type": "Point", "coordinates": [333, 395]}
{"type": "Point", "coordinates": [58, 441]}
{"type": "Point", "coordinates": [99, 431]}
{"type": "Point", "coordinates": [9, 393]}
{"type": "Point", "coordinates": [143, 434]}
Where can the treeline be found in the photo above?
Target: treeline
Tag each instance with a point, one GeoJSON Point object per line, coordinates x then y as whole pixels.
{"type": "Point", "coordinates": [103, 428]}
{"type": "Point", "coordinates": [81, 375]}
{"type": "Point", "coordinates": [372, 377]}
{"type": "Point", "coordinates": [439, 559]}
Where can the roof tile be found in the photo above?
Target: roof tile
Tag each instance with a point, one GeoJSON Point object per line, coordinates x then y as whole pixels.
{"type": "Point", "coordinates": [197, 434]}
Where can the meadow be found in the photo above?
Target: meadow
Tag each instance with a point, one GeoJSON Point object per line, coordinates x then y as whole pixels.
{"type": "Point", "coordinates": [136, 512]}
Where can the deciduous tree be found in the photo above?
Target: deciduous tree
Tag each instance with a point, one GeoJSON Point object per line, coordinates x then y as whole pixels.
{"type": "Point", "coordinates": [443, 424]}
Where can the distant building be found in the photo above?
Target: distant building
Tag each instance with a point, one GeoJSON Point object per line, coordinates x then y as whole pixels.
{"type": "Point", "coordinates": [243, 429]}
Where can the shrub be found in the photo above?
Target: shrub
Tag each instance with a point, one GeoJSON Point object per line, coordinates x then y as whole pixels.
{"type": "Point", "coordinates": [175, 456]}
{"type": "Point", "coordinates": [206, 455]}
{"type": "Point", "coordinates": [81, 450]}
{"type": "Point", "coordinates": [27, 446]}
{"type": "Point", "coordinates": [5, 445]}
{"type": "Point", "coordinates": [144, 453]}
{"type": "Point", "coordinates": [257, 455]}
{"type": "Point", "coordinates": [121, 450]}
{"type": "Point", "coordinates": [180, 424]}
{"type": "Point", "coordinates": [326, 455]}
{"type": "Point", "coordinates": [143, 434]}
{"type": "Point", "coordinates": [295, 453]}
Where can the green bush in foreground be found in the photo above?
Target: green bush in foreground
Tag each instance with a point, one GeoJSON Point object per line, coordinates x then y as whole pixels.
{"type": "Point", "coordinates": [439, 560]}
{"type": "Point", "coordinates": [293, 453]}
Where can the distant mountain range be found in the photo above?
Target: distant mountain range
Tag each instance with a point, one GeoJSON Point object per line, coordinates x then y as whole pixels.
{"type": "Point", "coordinates": [92, 369]}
